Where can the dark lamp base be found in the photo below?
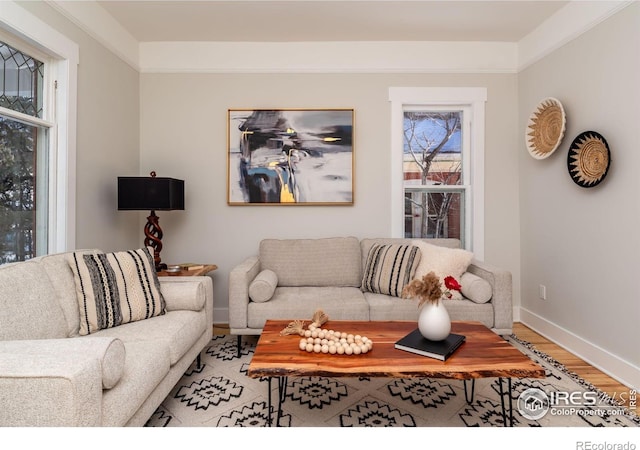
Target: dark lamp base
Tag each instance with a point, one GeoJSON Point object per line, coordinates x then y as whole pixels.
{"type": "Point", "coordinates": [153, 239]}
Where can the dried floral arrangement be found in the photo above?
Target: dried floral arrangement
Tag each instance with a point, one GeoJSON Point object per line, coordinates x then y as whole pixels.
{"type": "Point", "coordinates": [318, 340]}
{"type": "Point", "coordinates": [428, 289]}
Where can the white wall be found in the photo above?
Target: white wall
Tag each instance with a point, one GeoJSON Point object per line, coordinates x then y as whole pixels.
{"type": "Point", "coordinates": [184, 135]}
{"type": "Point", "coordinates": [583, 243]}
{"type": "Point", "coordinates": [107, 138]}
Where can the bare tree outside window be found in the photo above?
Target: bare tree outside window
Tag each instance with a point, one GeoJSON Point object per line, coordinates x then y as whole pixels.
{"type": "Point", "coordinates": [17, 195]}
{"type": "Point", "coordinates": [432, 157]}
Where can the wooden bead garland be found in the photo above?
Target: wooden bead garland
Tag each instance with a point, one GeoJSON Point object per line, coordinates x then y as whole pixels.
{"type": "Point", "coordinates": [319, 340]}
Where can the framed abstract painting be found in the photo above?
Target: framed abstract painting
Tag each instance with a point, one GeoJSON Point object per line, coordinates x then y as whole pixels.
{"type": "Point", "coordinates": [290, 157]}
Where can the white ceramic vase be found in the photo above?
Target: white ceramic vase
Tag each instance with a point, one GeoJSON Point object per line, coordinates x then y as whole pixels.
{"type": "Point", "coordinates": [434, 322]}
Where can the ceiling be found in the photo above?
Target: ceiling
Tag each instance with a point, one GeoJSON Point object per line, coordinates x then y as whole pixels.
{"type": "Point", "coordinates": [330, 20]}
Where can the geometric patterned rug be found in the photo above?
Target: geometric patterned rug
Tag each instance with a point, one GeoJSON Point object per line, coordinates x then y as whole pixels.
{"type": "Point", "coordinates": [219, 394]}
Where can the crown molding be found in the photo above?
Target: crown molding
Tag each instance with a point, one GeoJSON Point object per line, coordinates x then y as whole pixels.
{"type": "Point", "coordinates": [17, 20]}
{"type": "Point", "coordinates": [99, 24]}
{"type": "Point", "coordinates": [565, 25]}
{"type": "Point", "coordinates": [341, 57]}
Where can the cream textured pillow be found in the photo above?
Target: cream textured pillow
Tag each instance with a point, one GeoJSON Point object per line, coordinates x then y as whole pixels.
{"type": "Point", "coordinates": [115, 288]}
{"type": "Point", "coordinates": [389, 268]}
{"type": "Point", "coordinates": [263, 286]}
{"type": "Point", "coordinates": [476, 289]}
{"type": "Point", "coordinates": [443, 261]}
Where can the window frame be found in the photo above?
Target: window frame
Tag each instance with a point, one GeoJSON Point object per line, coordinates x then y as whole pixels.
{"type": "Point", "coordinates": [472, 101]}
{"type": "Point", "coordinates": [27, 33]}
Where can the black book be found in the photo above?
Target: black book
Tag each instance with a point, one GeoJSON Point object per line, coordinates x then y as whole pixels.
{"type": "Point", "coordinates": [414, 342]}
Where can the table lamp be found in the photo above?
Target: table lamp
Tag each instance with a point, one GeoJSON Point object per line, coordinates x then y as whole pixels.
{"type": "Point", "coordinates": [153, 194]}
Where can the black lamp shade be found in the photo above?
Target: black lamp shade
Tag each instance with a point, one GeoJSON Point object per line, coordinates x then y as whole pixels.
{"type": "Point", "coordinates": [150, 193]}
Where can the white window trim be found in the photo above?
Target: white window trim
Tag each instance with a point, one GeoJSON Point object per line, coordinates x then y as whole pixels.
{"type": "Point", "coordinates": [64, 59]}
{"type": "Point", "coordinates": [472, 97]}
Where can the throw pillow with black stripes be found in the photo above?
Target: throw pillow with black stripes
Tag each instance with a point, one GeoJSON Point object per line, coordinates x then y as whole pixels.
{"type": "Point", "coordinates": [115, 288]}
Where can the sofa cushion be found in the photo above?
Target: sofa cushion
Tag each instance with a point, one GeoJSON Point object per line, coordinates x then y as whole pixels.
{"type": "Point", "coordinates": [263, 286]}
{"type": "Point", "coordinates": [115, 288]}
{"type": "Point", "coordinates": [389, 268]}
{"type": "Point", "coordinates": [176, 330]}
{"type": "Point", "coordinates": [313, 262]}
{"type": "Point", "coordinates": [339, 303]}
{"type": "Point", "coordinates": [384, 307]}
{"type": "Point", "coordinates": [476, 289]}
{"type": "Point", "coordinates": [443, 262]}
{"type": "Point", "coordinates": [29, 308]}
{"type": "Point", "coordinates": [467, 310]}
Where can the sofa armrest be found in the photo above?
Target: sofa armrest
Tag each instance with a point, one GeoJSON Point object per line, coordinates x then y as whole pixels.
{"type": "Point", "coordinates": [189, 293]}
{"type": "Point", "coordinates": [49, 384]}
{"type": "Point", "coordinates": [108, 351]}
{"type": "Point", "coordinates": [240, 278]}
{"type": "Point", "coordinates": [502, 299]}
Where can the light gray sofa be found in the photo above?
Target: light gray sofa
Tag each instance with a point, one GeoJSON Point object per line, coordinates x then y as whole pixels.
{"type": "Point", "coordinates": [51, 376]}
{"type": "Point", "coordinates": [327, 274]}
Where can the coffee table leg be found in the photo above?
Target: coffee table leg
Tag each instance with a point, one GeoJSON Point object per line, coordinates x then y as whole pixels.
{"type": "Point", "coordinates": [504, 411]}
{"type": "Point", "coordinates": [510, 404]}
{"type": "Point", "coordinates": [469, 399]}
{"type": "Point", "coordinates": [269, 408]}
{"type": "Point", "coordinates": [282, 392]}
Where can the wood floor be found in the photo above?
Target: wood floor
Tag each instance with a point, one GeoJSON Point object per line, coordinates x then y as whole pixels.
{"type": "Point", "coordinates": [574, 364]}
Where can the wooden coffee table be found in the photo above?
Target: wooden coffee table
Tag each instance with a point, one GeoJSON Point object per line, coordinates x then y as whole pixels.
{"type": "Point", "coordinates": [483, 355]}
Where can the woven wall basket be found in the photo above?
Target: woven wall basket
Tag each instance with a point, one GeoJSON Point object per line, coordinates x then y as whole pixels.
{"type": "Point", "coordinates": [546, 128]}
{"type": "Point", "coordinates": [589, 159]}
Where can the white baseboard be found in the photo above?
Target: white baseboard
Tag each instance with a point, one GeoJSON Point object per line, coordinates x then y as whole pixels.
{"type": "Point", "coordinates": [612, 365]}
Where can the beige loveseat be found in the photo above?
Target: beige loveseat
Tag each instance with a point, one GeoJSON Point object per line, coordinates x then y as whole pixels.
{"type": "Point", "coordinates": [327, 274]}
{"type": "Point", "coordinates": [52, 376]}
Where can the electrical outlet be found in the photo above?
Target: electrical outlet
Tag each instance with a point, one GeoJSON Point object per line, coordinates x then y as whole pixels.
{"type": "Point", "coordinates": [542, 291]}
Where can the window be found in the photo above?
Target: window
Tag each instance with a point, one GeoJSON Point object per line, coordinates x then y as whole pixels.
{"type": "Point", "coordinates": [434, 191]}
{"type": "Point", "coordinates": [38, 82]}
{"type": "Point", "coordinates": [437, 164]}
{"type": "Point", "coordinates": [23, 156]}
